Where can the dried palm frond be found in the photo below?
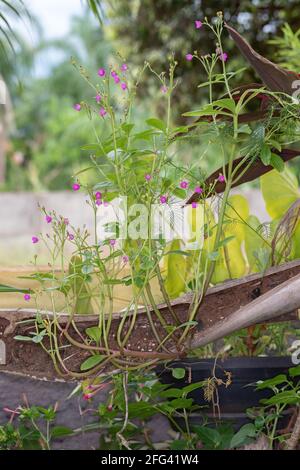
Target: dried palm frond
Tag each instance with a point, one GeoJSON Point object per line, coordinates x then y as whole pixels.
{"type": "Point", "coordinates": [282, 241]}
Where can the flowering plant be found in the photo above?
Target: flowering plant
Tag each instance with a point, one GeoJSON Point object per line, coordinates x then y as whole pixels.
{"type": "Point", "coordinates": [152, 240]}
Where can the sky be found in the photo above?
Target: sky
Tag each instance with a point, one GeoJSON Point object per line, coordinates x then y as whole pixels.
{"type": "Point", "coordinates": [54, 15]}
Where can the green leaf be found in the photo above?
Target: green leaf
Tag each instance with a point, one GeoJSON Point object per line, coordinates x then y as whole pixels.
{"type": "Point", "coordinates": [265, 154]}
{"type": "Point", "coordinates": [127, 127]}
{"type": "Point", "coordinates": [288, 397]}
{"type": "Point", "coordinates": [225, 241]}
{"type": "Point", "coordinates": [178, 372]}
{"type": "Point", "coordinates": [214, 108]}
{"type": "Point", "coordinates": [145, 135]}
{"type": "Point", "coordinates": [241, 437]}
{"type": "Point", "coordinates": [178, 444]}
{"type": "Point", "coordinates": [227, 103]}
{"type": "Point", "coordinates": [244, 129]}
{"type": "Point", "coordinates": [4, 288]}
{"type": "Point", "coordinates": [157, 123]}
{"type": "Point", "coordinates": [275, 144]}
{"type": "Point", "coordinates": [279, 379]}
{"type": "Point", "coordinates": [171, 393]}
{"type": "Point", "coordinates": [181, 403]}
{"type": "Point", "coordinates": [191, 387]}
{"type": "Point", "coordinates": [141, 410]}
{"type": "Point", "coordinates": [39, 337]}
{"type": "Point", "coordinates": [209, 437]}
{"type": "Point", "coordinates": [206, 110]}
{"type": "Point", "coordinates": [91, 362]}
{"type": "Point", "coordinates": [92, 147]}
{"type": "Point", "coordinates": [294, 371]}
{"type": "Point", "coordinates": [22, 338]}
{"type": "Point", "coordinates": [94, 332]}
{"type": "Point", "coordinates": [280, 191]}
{"type": "Point", "coordinates": [60, 431]}
{"type": "Point", "coordinates": [277, 162]}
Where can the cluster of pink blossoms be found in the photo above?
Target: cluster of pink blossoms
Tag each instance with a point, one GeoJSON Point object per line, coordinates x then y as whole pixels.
{"type": "Point", "coordinates": [184, 185]}
{"type": "Point", "coordinates": [117, 80]}
{"type": "Point", "coordinates": [98, 97]}
{"type": "Point", "coordinates": [223, 56]}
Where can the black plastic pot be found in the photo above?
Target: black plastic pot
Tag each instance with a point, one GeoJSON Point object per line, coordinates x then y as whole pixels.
{"type": "Point", "coordinates": [238, 396]}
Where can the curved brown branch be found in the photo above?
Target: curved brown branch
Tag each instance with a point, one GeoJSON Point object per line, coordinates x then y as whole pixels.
{"type": "Point", "coordinates": [256, 170]}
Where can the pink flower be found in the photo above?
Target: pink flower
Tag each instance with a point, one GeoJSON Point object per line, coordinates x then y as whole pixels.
{"type": "Point", "coordinates": [13, 412]}
{"type": "Point", "coordinates": [117, 79]}
{"type": "Point", "coordinates": [184, 184]}
{"type": "Point", "coordinates": [164, 89]}
{"type": "Point", "coordinates": [112, 242]}
{"type": "Point", "coordinates": [98, 202]}
{"type": "Point", "coordinates": [87, 396]}
{"type": "Point", "coordinates": [109, 408]}
{"type": "Point", "coordinates": [48, 219]}
{"type": "Point", "coordinates": [102, 112]}
{"type": "Point", "coordinates": [27, 297]}
{"type": "Point", "coordinates": [123, 86]}
{"type": "Point", "coordinates": [101, 72]}
{"type": "Point", "coordinates": [124, 67]}
{"type": "Point", "coordinates": [77, 107]}
{"type": "Point", "coordinates": [98, 195]}
{"type": "Point", "coordinates": [113, 74]}
{"type": "Point", "coordinates": [66, 221]}
{"type": "Point", "coordinates": [105, 203]}
{"type": "Point", "coordinates": [98, 98]}
{"type": "Point", "coordinates": [163, 199]}
{"type": "Point", "coordinates": [223, 57]}
{"type": "Point", "coordinates": [34, 240]}
{"type": "Point", "coordinates": [221, 178]}
{"type": "Point", "coordinates": [70, 236]}
{"type": "Point", "coordinates": [125, 259]}
{"type": "Point", "coordinates": [194, 205]}
{"type": "Point", "coordinates": [76, 187]}
{"type": "Point", "coordinates": [198, 190]}
{"type": "Point", "coordinates": [198, 24]}
{"type": "Point", "coordinates": [148, 177]}
{"type": "Point", "coordinates": [189, 57]}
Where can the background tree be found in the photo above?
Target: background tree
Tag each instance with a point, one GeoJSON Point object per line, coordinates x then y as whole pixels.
{"type": "Point", "coordinates": [152, 29]}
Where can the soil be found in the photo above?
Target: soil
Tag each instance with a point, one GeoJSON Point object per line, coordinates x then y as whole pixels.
{"type": "Point", "coordinates": [30, 359]}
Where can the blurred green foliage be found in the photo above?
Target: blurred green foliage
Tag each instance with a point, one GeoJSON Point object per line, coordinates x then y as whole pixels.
{"type": "Point", "coordinates": [153, 29]}
{"type": "Point", "coordinates": [44, 148]}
